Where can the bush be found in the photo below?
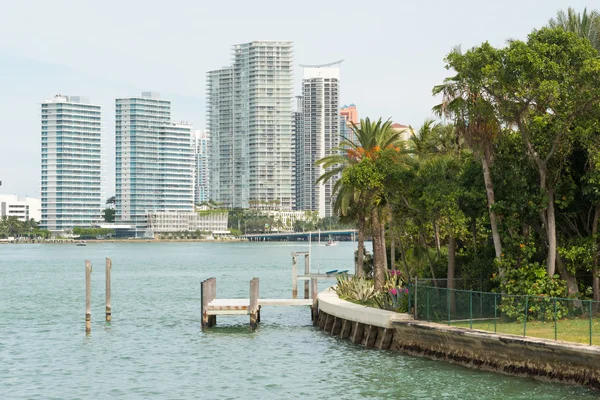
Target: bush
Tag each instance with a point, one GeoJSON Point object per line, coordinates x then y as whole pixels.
{"type": "Point", "coordinates": [531, 280]}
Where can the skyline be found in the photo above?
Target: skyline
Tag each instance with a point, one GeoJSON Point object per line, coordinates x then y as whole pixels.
{"type": "Point", "coordinates": [56, 51]}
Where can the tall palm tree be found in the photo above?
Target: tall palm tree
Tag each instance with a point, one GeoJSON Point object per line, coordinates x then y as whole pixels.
{"type": "Point", "coordinates": [371, 138]}
{"type": "Point", "coordinates": [464, 102]}
{"type": "Point", "coordinates": [585, 25]}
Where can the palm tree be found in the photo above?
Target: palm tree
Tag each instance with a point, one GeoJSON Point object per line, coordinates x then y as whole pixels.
{"type": "Point", "coordinates": [464, 101]}
{"type": "Point", "coordinates": [585, 25]}
{"type": "Point", "coordinates": [371, 138]}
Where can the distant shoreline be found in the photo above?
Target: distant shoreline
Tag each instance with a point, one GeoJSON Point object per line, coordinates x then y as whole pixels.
{"type": "Point", "coordinates": [91, 241]}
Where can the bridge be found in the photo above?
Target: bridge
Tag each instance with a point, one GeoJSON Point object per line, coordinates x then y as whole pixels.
{"type": "Point", "coordinates": [346, 235]}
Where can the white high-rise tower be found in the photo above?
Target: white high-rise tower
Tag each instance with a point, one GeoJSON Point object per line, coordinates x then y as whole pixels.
{"type": "Point", "coordinates": [319, 135]}
{"type": "Point", "coordinates": [71, 163]}
{"type": "Point", "coordinates": [250, 121]}
{"type": "Point", "coordinates": [154, 160]}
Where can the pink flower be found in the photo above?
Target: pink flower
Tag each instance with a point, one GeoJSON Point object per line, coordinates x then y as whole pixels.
{"type": "Point", "coordinates": [393, 291]}
{"type": "Point", "coordinates": [406, 290]}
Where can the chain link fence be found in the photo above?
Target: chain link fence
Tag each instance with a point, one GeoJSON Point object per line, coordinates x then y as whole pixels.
{"type": "Point", "coordinates": [571, 320]}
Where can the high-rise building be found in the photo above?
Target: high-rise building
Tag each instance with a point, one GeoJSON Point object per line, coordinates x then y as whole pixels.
{"type": "Point", "coordinates": [71, 163]}
{"type": "Point", "coordinates": [348, 116]}
{"type": "Point", "coordinates": [298, 129]}
{"type": "Point", "coordinates": [319, 137]}
{"type": "Point", "coordinates": [219, 113]}
{"type": "Point", "coordinates": [249, 118]}
{"type": "Point", "coordinates": [154, 160]}
{"type": "Point", "coordinates": [201, 176]}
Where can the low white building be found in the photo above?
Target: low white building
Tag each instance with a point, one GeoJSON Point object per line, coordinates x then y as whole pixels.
{"type": "Point", "coordinates": [286, 218]}
{"type": "Point", "coordinates": [176, 221]}
{"type": "Point", "coordinates": [24, 208]}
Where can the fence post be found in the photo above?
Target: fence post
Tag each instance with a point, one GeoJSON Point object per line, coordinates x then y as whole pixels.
{"type": "Point", "coordinates": [416, 288]}
{"type": "Point", "coordinates": [495, 310]}
{"type": "Point", "coordinates": [525, 321]}
{"type": "Point", "coordinates": [470, 309]}
{"type": "Point", "coordinates": [555, 320]}
{"type": "Point", "coordinates": [409, 295]}
{"type": "Point", "coordinates": [427, 305]}
{"type": "Point", "coordinates": [590, 314]}
{"type": "Point", "coordinates": [448, 303]}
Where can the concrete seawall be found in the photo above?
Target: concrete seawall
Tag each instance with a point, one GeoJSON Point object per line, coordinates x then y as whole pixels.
{"type": "Point", "coordinates": [515, 355]}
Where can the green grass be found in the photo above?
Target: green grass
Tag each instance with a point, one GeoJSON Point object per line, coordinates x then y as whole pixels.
{"type": "Point", "coordinates": [575, 330]}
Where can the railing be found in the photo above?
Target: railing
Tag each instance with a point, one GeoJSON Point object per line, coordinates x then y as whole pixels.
{"type": "Point", "coordinates": [572, 320]}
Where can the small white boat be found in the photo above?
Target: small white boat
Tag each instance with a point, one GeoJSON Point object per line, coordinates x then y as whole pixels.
{"type": "Point", "coordinates": [331, 243]}
{"type": "Point", "coordinates": [81, 243]}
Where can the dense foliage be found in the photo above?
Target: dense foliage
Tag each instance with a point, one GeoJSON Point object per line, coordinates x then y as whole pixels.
{"type": "Point", "coordinates": [505, 189]}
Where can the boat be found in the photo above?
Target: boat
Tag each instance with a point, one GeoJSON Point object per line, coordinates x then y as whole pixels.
{"type": "Point", "coordinates": [81, 243]}
{"type": "Point", "coordinates": [331, 243]}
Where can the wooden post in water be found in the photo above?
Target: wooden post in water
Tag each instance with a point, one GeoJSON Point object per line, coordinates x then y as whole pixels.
{"type": "Point", "coordinates": [253, 307]}
{"type": "Point", "coordinates": [213, 295]}
{"type": "Point", "coordinates": [306, 272]}
{"type": "Point", "coordinates": [315, 294]}
{"type": "Point", "coordinates": [108, 306]}
{"type": "Point", "coordinates": [88, 296]}
{"type": "Point", "coordinates": [207, 293]}
{"type": "Point", "coordinates": [294, 275]}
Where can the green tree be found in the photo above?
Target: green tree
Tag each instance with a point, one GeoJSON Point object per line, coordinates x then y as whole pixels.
{"type": "Point", "coordinates": [108, 214]}
{"type": "Point", "coordinates": [543, 86]}
{"type": "Point", "coordinates": [472, 110]}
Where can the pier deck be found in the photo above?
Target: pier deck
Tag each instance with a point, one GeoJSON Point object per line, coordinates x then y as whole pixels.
{"type": "Point", "coordinates": [211, 306]}
{"type": "Point", "coordinates": [241, 306]}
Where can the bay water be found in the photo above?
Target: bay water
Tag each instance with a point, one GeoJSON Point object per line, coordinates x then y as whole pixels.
{"type": "Point", "coordinates": [154, 347]}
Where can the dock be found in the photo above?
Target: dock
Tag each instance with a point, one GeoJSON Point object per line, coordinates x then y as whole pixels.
{"type": "Point", "coordinates": [212, 306]}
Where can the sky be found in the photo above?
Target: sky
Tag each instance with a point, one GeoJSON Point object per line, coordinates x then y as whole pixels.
{"type": "Point", "coordinates": [393, 52]}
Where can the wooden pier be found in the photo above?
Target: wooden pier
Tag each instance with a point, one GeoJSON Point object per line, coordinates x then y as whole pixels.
{"type": "Point", "coordinates": [211, 306]}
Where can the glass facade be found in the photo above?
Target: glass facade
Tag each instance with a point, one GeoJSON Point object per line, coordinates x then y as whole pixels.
{"type": "Point", "coordinates": [250, 119]}
{"type": "Point", "coordinates": [202, 176]}
{"type": "Point", "coordinates": [71, 163]}
{"type": "Point", "coordinates": [154, 160]}
{"type": "Point", "coordinates": [318, 136]}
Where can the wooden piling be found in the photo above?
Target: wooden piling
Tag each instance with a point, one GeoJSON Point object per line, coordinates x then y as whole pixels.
{"type": "Point", "coordinates": [108, 305]}
{"type": "Point", "coordinates": [208, 292]}
{"type": "Point", "coordinates": [346, 327]}
{"type": "Point", "coordinates": [357, 333]}
{"type": "Point", "coordinates": [294, 276]}
{"type": "Point", "coordinates": [306, 272]}
{"type": "Point", "coordinates": [372, 333]}
{"type": "Point", "coordinates": [253, 307]}
{"type": "Point", "coordinates": [314, 310]}
{"type": "Point", "coordinates": [88, 296]}
{"type": "Point", "coordinates": [336, 326]}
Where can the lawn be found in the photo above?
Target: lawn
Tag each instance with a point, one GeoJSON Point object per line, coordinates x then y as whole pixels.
{"type": "Point", "coordinates": [570, 330]}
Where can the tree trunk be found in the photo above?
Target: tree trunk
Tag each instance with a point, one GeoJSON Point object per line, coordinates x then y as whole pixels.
{"type": "Point", "coordinates": [360, 258]}
{"type": "Point", "coordinates": [392, 247]}
{"type": "Point", "coordinates": [567, 276]}
{"type": "Point", "coordinates": [430, 265]}
{"type": "Point", "coordinates": [403, 254]}
{"type": "Point", "coordinates": [436, 234]}
{"type": "Point", "coordinates": [451, 270]}
{"type": "Point", "coordinates": [378, 255]}
{"type": "Point", "coordinates": [489, 190]}
{"type": "Point", "coordinates": [551, 229]}
{"type": "Point", "coordinates": [383, 246]}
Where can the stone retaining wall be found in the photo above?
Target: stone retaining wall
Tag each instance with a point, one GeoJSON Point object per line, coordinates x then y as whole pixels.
{"type": "Point", "coordinates": [516, 355]}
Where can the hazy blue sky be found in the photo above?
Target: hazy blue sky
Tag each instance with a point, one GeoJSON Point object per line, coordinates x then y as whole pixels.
{"type": "Point", "coordinates": [393, 52]}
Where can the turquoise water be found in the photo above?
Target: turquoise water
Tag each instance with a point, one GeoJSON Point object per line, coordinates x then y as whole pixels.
{"type": "Point", "coordinates": [154, 347]}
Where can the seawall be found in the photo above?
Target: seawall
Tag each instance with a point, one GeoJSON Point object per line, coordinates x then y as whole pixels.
{"type": "Point", "coordinates": [544, 359]}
